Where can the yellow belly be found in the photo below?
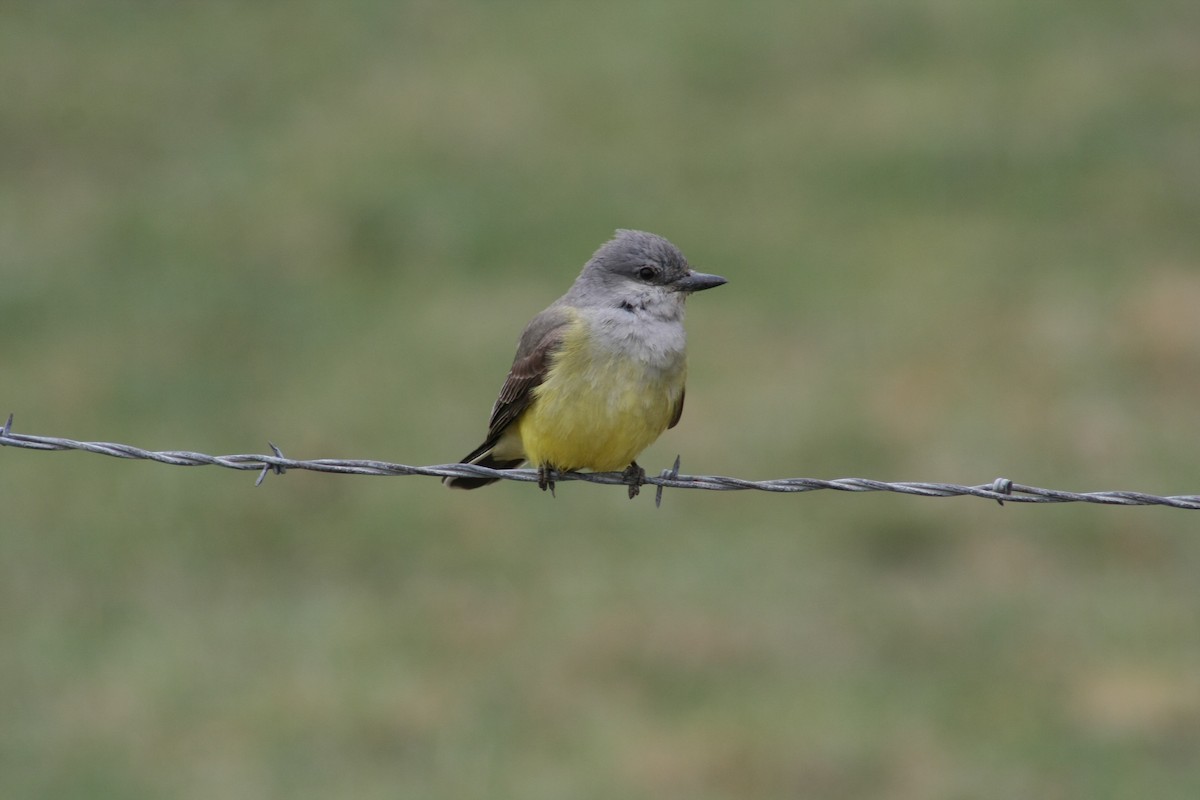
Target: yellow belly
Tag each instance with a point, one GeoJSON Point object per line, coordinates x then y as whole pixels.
{"type": "Point", "coordinates": [598, 412]}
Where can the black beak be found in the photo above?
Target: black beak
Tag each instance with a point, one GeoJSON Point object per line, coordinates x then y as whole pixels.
{"type": "Point", "coordinates": [698, 281]}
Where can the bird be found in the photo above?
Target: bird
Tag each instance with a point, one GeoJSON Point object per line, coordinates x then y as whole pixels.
{"type": "Point", "coordinates": [599, 374]}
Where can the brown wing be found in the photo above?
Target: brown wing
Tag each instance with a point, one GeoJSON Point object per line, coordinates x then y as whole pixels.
{"type": "Point", "coordinates": [541, 339]}
{"type": "Point", "coordinates": [678, 410]}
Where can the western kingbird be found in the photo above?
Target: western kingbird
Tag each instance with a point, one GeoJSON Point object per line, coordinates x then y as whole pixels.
{"type": "Point", "coordinates": [600, 373]}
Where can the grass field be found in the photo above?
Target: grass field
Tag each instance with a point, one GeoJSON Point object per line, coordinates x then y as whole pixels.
{"type": "Point", "coordinates": [961, 242]}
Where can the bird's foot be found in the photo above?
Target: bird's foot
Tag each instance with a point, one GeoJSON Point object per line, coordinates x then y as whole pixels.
{"type": "Point", "coordinates": [546, 476]}
{"type": "Point", "coordinates": [635, 476]}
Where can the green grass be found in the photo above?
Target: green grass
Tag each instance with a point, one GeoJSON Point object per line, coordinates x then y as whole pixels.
{"type": "Point", "coordinates": [961, 243]}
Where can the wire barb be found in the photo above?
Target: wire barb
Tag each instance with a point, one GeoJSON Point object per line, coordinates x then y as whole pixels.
{"type": "Point", "coordinates": [1002, 486]}
{"type": "Point", "coordinates": [278, 469]}
{"type": "Point", "coordinates": [669, 474]}
{"type": "Point", "coordinates": [1001, 490]}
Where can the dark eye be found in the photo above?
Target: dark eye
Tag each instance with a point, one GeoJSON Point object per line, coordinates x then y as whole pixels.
{"type": "Point", "coordinates": [647, 273]}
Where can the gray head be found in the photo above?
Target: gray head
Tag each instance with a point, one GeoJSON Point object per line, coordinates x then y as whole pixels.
{"type": "Point", "coordinates": [638, 269]}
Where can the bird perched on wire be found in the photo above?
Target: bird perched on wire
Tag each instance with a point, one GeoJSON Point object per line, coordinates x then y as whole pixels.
{"type": "Point", "coordinates": [599, 374]}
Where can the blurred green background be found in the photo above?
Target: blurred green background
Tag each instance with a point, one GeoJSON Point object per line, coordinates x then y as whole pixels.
{"type": "Point", "coordinates": [962, 242]}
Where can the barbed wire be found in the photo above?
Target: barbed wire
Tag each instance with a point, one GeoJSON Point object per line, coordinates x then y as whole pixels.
{"type": "Point", "coordinates": [1001, 490]}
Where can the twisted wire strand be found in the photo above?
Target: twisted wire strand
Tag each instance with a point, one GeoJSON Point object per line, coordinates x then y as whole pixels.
{"type": "Point", "coordinates": [1001, 490]}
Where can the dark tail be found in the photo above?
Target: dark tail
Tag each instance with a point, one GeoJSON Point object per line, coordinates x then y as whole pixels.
{"type": "Point", "coordinates": [483, 457]}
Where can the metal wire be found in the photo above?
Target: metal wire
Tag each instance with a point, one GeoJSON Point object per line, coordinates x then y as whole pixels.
{"type": "Point", "coordinates": [1001, 490]}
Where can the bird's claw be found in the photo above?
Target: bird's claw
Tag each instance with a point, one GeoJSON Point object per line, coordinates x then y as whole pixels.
{"type": "Point", "coordinates": [635, 476]}
{"type": "Point", "coordinates": [546, 475]}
